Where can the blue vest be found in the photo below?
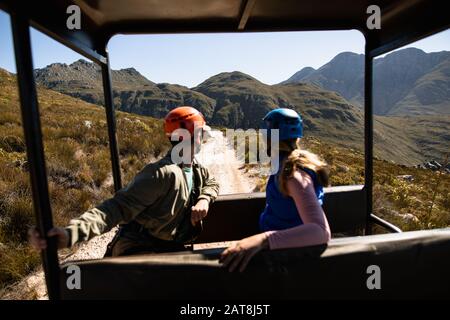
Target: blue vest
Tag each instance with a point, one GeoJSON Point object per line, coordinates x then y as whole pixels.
{"type": "Point", "coordinates": [280, 212]}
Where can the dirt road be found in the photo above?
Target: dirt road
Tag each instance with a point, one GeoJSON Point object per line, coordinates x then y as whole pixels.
{"type": "Point", "coordinates": [220, 158]}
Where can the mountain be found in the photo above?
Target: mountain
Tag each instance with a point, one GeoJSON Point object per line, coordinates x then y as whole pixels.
{"type": "Point", "coordinates": [398, 75]}
{"type": "Point", "coordinates": [229, 99]}
{"type": "Point", "coordinates": [407, 81]}
{"type": "Point", "coordinates": [158, 99]}
{"type": "Point", "coordinates": [241, 101]}
{"type": "Point", "coordinates": [430, 95]}
{"type": "Point", "coordinates": [83, 79]}
{"type": "Point", "coordinates": [132, 92]}
{"type": "Point", "coordinates": [237, 100]}
{"type": "Point", "coordinates": [408, 139]}
{"type": "Point", "coordinates": [300, 75]}
{"type": "Point", "coordinates": [343, 74]}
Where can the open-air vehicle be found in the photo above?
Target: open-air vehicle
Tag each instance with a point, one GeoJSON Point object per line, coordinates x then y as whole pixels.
{"type": "Point", "coordinates": [412, 264]}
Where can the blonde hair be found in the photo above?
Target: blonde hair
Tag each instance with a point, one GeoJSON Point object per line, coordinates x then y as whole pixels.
{"type": "Point", "coordinates": [298, 158]}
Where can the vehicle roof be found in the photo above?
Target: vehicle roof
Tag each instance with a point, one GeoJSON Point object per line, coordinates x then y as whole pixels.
{"type": "Point", "coordinates": [403, 21]}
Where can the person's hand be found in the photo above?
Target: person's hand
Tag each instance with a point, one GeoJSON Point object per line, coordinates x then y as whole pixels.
{"type": "Point", "coordinates": [40, 243]}
{"type": "Point", "coordinates": [199, 211]}
{"type": "Point", "coordinates": [240, 254]}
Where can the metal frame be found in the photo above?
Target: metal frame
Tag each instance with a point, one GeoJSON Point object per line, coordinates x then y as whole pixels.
{"type": "Point", "coordinates": [111, 121]}
{"type": "Point", "coordinates": [91, 49]}
{"type": "Point", "coordinates": [35, 150]}
{"type": "Point", "coordinates": [368, 132]}
{"type": "Point", "coordinates": [33, 137]}
{"type": "Point", "coordinates": [248, 6]}
{"type": "Point", "coordinates": [383, 223]}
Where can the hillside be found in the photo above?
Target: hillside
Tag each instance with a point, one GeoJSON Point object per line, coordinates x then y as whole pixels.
{"type": "Point", "coordinates": [407, 81]}
{"type": "Point", "coordinates": [412, 138]}
{"type": "Point", "coordinates": [237, 100]}
{"type": "Point", "coordinates": [82, 79]}
{"type": "Point", "coordinates": [77, 159]}
{"type": "Point", "coordinates": [343, 74]}
{"type": "Point", "coordinates": [157, 100]}
{"type": "Point", "coordinates": [242, 101]}
{"type": "Point", "coordinates": [430, 95]}
{"type": "Point", "coordinates": [299, 76]}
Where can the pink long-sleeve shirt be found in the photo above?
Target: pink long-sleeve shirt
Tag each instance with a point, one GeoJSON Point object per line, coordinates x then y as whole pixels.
{"type": "Point", "coordinates": [315, 229]}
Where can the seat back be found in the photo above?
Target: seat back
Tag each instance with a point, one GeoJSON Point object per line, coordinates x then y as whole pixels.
{"type": "Point", "coordinates": [236, 216]}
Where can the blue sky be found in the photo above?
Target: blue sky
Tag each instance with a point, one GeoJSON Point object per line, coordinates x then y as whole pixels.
{"type": "Point", "coordinates": [190, 59]}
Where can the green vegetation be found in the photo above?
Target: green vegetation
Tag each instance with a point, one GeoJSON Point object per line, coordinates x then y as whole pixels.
{"type": "Point", "coordinates": [412, 140]}
{"type": "Point", "coordinates": [422, 203]}
{"type": "Point", "coordinates": [78, 165]}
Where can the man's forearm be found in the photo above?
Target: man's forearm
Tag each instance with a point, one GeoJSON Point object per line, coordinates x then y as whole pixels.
{"type": "Point", "coordinates": [210, 190]}
{"type": "Point", "coordinates": [90, 224]}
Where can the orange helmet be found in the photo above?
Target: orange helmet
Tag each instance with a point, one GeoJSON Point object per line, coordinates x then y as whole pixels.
{"type": "Point", "coordinates": [185, 118]}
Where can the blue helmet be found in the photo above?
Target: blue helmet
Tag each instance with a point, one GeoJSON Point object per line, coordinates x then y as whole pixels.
{"type": "Point", "coordinates": [287, 121]}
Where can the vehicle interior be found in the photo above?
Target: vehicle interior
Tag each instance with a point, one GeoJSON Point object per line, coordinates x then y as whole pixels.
{"type": "Point", "coordinates": [415, 264]}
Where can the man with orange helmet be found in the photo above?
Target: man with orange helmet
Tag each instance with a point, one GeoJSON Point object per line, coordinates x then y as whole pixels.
{"type": "Point", "coordinates": [181, 123]}
{"type": "Point", "coordinates": [162, 208]}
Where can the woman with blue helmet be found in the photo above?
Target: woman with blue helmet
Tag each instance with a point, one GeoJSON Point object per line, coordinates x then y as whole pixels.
{"type": "Point", "coordinates": [293, 216]}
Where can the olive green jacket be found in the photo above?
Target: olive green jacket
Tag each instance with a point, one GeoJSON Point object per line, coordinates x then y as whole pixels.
{"type": "Point", "coordinates": [157, 198]}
